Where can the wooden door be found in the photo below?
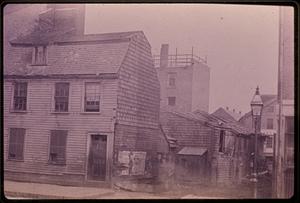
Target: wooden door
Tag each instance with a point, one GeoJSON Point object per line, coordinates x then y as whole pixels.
{"type": "Point", "coordinates": [97, 157]}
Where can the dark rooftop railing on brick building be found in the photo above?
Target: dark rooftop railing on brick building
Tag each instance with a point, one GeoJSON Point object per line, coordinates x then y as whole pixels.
{"type": "Point", "coordinates": [178, 60]}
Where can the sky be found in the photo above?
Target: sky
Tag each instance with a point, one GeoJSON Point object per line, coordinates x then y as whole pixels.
{"type": "Point", "coordinates": [239, 41]}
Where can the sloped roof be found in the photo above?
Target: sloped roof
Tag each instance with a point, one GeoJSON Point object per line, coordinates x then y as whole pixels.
{"type": "Point", "coordinates": [104, 55]}
{"type": "Point", "coordinates": [198, 151]}
{"type": "Point", "coordinates": [267, 97]}
{"type": "Point", "coordinates": [267, 100]}
{"type": "Point", "coordinates": [68, 36]}
{"type": "Point", "coordinates": [200, 116]}
{"type": "Point", "coordinates": [232, 124]}
{"type": "Point", "coordinates": [222, 113]}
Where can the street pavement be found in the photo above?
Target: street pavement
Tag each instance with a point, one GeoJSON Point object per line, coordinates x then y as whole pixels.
{"type": "Point", "coordinates": [23, 190]}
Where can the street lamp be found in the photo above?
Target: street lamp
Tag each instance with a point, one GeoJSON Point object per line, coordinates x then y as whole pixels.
{"type": "Point", "coordinates": [256, 109]}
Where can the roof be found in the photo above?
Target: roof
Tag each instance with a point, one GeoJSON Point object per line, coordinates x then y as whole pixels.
{"type": "Point", "coordinates": [222, 113]}
{"type": "Point", "coordinates": [104, 55]}
{"type": "Point", "coordinates": [198, 116]}
{"type": "Point", "coordinates": [230, 123]}
{"type": "Point", "coordinates": [68, 36]}
{"type": "Point", "coordinates": [267, 100]}
{"type": "Point", "coordinates": [267, 97]}
{"type": "Point", "coordinates": [198, 151]}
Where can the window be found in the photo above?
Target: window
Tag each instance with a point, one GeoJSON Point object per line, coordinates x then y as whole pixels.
{"type": "Point", "coordinates": [61, 97]}
{"type": "Point", "coordinates": [92, 97]}
{"type": "Point", "coordinates": [39, 57]}
{"type": "Point", "coordinates": [20, 96]}
{"type": "Point", "coordinates": [172, 79]}
{"type": "Point", "coordinates": [269, 142]}
{"type": "Point", "coordinates": [222, 141]}
{"type": "Point", "coordinates": [16, 144]}
{"type": "Point", "coordinates": [171, 101]}
{"type": "Point", "coordinates": [58, 142]}
{"type": "Point", "coordinates": [269, 123]}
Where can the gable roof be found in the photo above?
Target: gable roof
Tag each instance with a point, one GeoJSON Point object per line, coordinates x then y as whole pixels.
{"type": "Point", "coordinates": [230, 123]}
{"type": "Point", "coordinates": [222, 113]}
{"type": "Point", "coordinates": [267, 97]}
{"type": "Point", "coordinates": [90, 54]}
{"type": "Point", "coordinates": [267, 100]}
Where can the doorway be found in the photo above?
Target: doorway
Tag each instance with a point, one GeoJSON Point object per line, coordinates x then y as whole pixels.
{"type": "Point", "coordinates": [97, 157]}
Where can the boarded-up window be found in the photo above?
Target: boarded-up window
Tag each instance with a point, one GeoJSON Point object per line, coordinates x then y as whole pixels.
{"type": "Point", "coordinates": [171, 101]}
{"type": "Point", "coordinates": [16, 144]}
{"type": "Point", "coordinates": [58, 142]}
{"type": "Point", "coordinates": [61, 97]}
{"type": "Point", "coordinates": [20, 96]}
{"type": "Point", "coordinates": [222, 141]}
{"type": "Point", "coordinates": [92, 97]}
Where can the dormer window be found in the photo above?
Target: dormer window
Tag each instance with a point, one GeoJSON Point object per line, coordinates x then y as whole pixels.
{"type": "Point", "coordinates": [39, 55]}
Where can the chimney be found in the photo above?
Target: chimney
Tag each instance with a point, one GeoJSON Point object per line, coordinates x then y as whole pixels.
{"type": "Point", "coordinates": [164, 54]}
{"type": "Point", "coordinates": [63, 17]}
{"type": "Point", "coordinates": [233, 110]}
{"type": "Point", "coordinates": [227, 108]}
{"type": "Point", "coordinates": [240, 112]}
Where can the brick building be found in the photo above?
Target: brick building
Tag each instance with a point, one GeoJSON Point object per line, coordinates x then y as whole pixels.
{"type": "Point", "coordinates": [79, 109]}
{"type": "Point", "coordinates": [184, 81]}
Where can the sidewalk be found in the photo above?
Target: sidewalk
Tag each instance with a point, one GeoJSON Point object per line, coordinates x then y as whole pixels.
{"type": "Point", "coordinates": [46, 191]}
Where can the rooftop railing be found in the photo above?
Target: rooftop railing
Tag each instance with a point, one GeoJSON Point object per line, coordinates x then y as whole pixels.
{"type": "Point", "coordinates": [178, 60]}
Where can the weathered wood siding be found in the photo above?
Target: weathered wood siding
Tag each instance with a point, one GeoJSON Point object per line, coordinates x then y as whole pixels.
{"type": "Point", "coordinates": [138, 93]}
{"type": "Point", "coordinates": [40, 119]}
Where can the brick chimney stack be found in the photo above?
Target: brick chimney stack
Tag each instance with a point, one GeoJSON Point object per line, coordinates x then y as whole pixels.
{"type": "Point", "coordinates": [63, 17]}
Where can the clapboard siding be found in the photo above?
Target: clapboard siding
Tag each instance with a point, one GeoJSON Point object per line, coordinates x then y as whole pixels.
{"type": "Point", "coordinates": [39, 120]}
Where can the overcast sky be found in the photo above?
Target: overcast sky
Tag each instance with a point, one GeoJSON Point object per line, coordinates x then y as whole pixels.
{"type": "Point", "coordinates": [240, 41]}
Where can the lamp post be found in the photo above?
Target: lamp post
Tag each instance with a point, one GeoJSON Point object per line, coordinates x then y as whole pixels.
{"type": "Point", "coordinates": [256, 109]}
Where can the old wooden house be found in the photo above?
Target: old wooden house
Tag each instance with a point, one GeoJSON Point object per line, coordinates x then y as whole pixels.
{"type": "Point", "coordinates": [209, 150]}
{"type": "Point", "coordinates": [78, 108]}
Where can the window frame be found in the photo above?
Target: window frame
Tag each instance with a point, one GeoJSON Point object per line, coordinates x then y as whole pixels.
{"type": "Point", "coordinates": [222, 141]}
{"type": "Point", "coordinates": [269, 142]}
{"type": "Point", "coordinates": [12, 105]}
{"type": "Point", "coordinates": [35, 58]}
{"type": "Point", "coordinates": [84, 97]}
{"type": "Point", "coordinates": [171, 75]}
{"type": "Point", "coordinates": [54, 98]}
{"type": "Point", "coordinates": [9, 146]}
{"type": "Point", "coordinates": [50, 161]}
{"type": "Point", "coordinates": [168, 100]}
